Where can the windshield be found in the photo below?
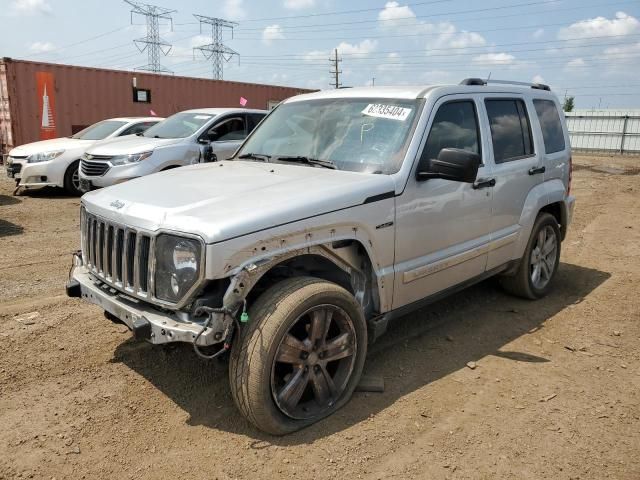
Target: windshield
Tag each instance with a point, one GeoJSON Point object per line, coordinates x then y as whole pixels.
{"type": "Point", "coordinates": [180, 125]}
{"type": "Point", "coordinates": [356, 134]}
{"type": "Point", "coordinates": [99, 131]}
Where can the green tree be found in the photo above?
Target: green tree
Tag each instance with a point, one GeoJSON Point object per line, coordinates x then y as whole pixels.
{"type": "Point", "coordinates": [568, 104]}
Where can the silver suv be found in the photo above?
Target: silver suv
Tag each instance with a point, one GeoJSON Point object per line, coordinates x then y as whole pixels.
{"type": "Point", "coordinates": [188, 137]}
{"type": "Point", "coordinates": [343, 210]}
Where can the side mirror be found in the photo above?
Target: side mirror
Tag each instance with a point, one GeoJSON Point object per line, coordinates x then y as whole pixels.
{"type": "Point", "coordinates": [452, 164]}
{"type": "Point", "coordinates": [208, 155]}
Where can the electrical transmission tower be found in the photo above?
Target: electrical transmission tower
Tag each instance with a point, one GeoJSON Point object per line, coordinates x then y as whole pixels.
{"type": "Point", "coordinates": [152, 43]}
{"type": "Point", "coordinates": [216, 51]}
{"type": "Point", "coordinates": [335, 73]}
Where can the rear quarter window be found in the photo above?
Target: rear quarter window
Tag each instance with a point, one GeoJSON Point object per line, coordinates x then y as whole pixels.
{"type": "Point", "coordinates": [550, 124]}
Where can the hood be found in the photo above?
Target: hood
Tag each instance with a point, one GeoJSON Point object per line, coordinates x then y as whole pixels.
{"type": "Point", "coordinates": [219, 201]}
{"type": "Point", "coordinates": [130, 144]}
{"type": "Point", "coordinates": [64, 143]}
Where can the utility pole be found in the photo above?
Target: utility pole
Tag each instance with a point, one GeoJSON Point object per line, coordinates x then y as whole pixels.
{"type": "Point", "coordinates": [373, 82]}
{"type": "Point", "coordinates": [152, 43]}
{"type": "Point", "coordinates": [216, 51]}
{"type": "Point", "coordinates": [335, 73]}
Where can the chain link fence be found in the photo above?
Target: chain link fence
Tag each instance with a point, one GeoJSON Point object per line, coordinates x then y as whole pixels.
{"type": "Point", "coordinates": [604, 131]}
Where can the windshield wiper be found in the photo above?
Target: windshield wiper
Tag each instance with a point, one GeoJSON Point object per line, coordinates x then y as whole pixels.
{"type": "Point", "coordinates": [255, 156]}
{"type": "Point", "coordinates": [308, 161]}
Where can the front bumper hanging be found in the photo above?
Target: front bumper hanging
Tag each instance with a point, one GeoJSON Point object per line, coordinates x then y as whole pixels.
{"type": "Point", "coordinates": [146, 322]}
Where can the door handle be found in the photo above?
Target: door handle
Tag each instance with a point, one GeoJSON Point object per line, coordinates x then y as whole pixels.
{"type": "Point", "coordinates": [484, 183]}
{"type": "Point", "coordinates": [537, 170]}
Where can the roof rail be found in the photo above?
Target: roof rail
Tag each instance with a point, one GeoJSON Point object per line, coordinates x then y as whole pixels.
{"type": "Point", "coordinates": [479, 81]}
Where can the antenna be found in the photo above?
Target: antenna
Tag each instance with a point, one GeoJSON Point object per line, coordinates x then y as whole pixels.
{"type": "Point", "coordinates": [152, 43]}
{"type": "Point", "coordinates": [216, 51]}
{"type": "Point", "coordinates": [335, 72]}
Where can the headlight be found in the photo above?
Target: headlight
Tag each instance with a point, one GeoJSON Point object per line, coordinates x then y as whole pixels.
{"type": "Point", "coordinates": [177, 266]}
{"type": "Point", "coordinates": [44, 156]}
{"type": "Point", "coordinates": [124, 159]}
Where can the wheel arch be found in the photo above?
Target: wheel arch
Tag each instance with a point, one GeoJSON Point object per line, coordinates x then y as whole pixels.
{"type": "Point", "coordinates": [345, 262]}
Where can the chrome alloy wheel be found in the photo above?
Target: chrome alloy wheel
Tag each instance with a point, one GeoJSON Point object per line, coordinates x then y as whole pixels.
{"type": "Point", "coordinates": [543, 257]}
{"type": "Point", "coordinates": [314, 362]}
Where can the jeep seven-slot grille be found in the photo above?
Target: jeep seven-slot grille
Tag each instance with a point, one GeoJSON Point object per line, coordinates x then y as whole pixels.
{"type": "Point", "coordinates": [118, 255]}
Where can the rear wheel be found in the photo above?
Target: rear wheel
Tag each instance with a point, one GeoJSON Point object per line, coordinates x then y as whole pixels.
{"type": "Point", "coordinates": [301, 356]}
{"type": "Point", "coordinates": [72, 179]}
{"type": "Point", "coordinates": [539, 264]}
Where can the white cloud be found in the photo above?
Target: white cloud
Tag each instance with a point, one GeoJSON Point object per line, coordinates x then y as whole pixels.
{"type": "Point", "coordinates": [538, 79]}
{"type": "Point", "coordinates": [31, 7]}
{"type": "Point", "coordinates": [393, 15]}
{"type": "Point", "coordinates": [270, 33]}
{"type": "Point", "coordinates": [316, 55]}
{"type": "Point", "coordinates": [576, 63]}
{"type": "Point", "coordinates": [358, 50]}
{"type": "Point", "coordinates": [623, 50]}
{"type": "Point", "coordinates": [41, 47]}
{"type": "Point", "coordinates": [494, 59]}
{"type": "Point", "coordinates": [393, 61]}
{"type": "Point", "coordinates": [443, 35]}
{"type": "Point", "coordinates": [298, 4]}
{"type": "Point", "coordinates": [234, 10]}
{"type": "Point", "coordinates": [538, 33]}
{"type": "Point", "coordinates": [622, 24]}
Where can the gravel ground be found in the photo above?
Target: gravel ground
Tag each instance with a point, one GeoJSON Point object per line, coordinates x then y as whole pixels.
{"type": "Point", "coordinates": [554, 391]}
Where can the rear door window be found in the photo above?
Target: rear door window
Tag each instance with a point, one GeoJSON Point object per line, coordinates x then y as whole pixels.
{"type": "Point", "coordinates": [454, 126]}
{"type": "Point", "coordinates": [510, 129]}
{"type": "Point", "coordinates": [253, 120]}
{"type": "Point", "coordinates": [549, 118]}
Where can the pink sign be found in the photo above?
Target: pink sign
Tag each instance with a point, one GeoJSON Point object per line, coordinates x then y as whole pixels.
{"type": "Point", "coordinates": [243, 101]}
{"type": "Point", "coordinates": [153, 114]}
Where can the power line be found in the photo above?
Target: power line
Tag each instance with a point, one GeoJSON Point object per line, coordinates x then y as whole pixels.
{"type": "Point", "coordinates": [216, 51]}
{"type": "Point", "coordinates": [152, 43]}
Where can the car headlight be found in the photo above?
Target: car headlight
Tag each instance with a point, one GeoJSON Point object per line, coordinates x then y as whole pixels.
{"type": "Point", "coordinates": [124, 159]}
{"type": "Point", "coordinates": [44, 156]}
{"type": "Point", "coordinates": [178, 266]}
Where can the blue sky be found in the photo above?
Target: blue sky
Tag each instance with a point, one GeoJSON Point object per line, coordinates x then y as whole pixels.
{"type": "Point", "coordinates": [588, 48]}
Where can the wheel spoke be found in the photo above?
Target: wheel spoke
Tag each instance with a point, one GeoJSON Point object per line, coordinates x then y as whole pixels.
{"type": "Point", "coordinates": [339, 347]}
{"type": "Point", "coordinates": [542, 237]}
{"type": "Point", "coordinates": [320, 322]}
{"type": "Point", "coordinates": [549, 246]}
{"type": "Point", "coordinates": [535, 276]}
{"type": "Point", "coordinates": [323, 387]}
{"type": "Point", "coordinates": [291, 350]}
{"type": "Point", "coordinates": [292, 392]}
{"type": "Point", "coordinates": [544, 270]}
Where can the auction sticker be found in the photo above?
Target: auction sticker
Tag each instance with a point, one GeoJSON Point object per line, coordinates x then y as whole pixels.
{"type": "Point", "coordinates": [392, 112]}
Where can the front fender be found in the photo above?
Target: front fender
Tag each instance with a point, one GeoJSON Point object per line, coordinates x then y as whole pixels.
{"type": "Point", "coordinates": [231, 257]}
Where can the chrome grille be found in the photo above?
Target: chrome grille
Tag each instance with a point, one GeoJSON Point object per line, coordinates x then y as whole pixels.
{"type": "Point", "coordinates": [119, 256]}
{"type": "Point", "coordinates": [94, 169]}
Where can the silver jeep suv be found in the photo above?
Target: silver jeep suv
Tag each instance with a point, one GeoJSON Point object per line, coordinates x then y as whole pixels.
{"type": "Point", "coordinates": [343, 210]}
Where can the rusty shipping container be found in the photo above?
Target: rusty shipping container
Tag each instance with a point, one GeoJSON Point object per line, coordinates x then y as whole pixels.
{"type": "Point", "coordinates": [45, 100]}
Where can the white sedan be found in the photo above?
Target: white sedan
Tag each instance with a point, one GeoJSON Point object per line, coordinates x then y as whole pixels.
{"type": "Point", "coordinates": [55, 162]}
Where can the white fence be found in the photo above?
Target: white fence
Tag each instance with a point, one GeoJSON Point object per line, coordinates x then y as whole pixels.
{"type": "Point", "coordinates": [604, 131]}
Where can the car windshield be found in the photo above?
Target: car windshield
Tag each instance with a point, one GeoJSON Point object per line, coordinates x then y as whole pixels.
{"type": "Point", "coordinates": [99, 131]}
{"type": "Point", "coordinates": [357, 134]}
{"type": "Point", "coordinates": [180, 125]}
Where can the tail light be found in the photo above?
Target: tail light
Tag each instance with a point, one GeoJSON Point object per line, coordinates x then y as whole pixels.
{"type": "Point", "coordinates": [570, 175]}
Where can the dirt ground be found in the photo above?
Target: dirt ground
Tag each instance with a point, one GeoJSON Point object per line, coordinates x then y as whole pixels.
{"type": "Point", "coordinates": [555, 392]}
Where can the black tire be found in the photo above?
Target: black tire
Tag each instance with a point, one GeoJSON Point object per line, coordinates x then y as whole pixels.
{"type": "Point", "coordinates": [521, 283]}
{"type": "Point", "coordinates": [71, 177]}
{"type": "Point", "coordinates": [253, 369]}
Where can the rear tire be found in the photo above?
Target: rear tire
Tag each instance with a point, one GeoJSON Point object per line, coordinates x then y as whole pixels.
{"type": "Point", "coordinates": [72, 179]}
{"type": "Point", "coordinates": [301, 356]}
{"type": "Point", "coordinates": [539, 263]}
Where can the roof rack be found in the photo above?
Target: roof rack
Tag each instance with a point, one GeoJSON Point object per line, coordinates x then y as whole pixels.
{"type": "Point", "coordinates": [480, 81]}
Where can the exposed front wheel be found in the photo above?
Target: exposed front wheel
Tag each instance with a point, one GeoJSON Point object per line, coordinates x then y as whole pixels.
{"type": "Point", "coordinates": [72, 179]}
{"type": "Point", "coordinates": [301, 356]}
{"type": "Point", "coordinates": [540, 261]}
